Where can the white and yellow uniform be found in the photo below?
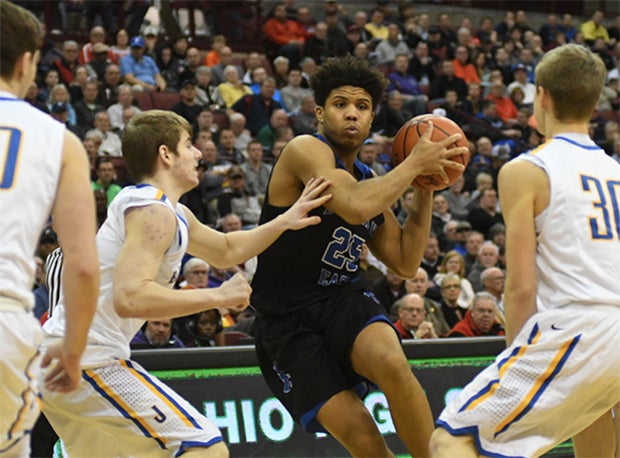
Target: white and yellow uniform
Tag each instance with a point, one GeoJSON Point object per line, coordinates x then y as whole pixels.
{"type": "Point", "coordinates": [31, 145]}
{"type": "Point", "coordinates": [119, 409]}
{"type": "Point", "coordinates": [563, 370]}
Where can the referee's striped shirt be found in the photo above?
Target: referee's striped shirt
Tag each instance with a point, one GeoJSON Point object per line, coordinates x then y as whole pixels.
{"type": "Point", "coordinates": [53, 272]}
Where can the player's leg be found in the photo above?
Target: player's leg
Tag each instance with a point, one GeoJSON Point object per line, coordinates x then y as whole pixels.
{"type": "Point", "coordinates": [443, 444]}
{"type": "Point", "coordinates": [378, 356]}
{"type": "Point", "coordinates": [346, 418]}
{"type": "Point", "coordinates": [597, 440]}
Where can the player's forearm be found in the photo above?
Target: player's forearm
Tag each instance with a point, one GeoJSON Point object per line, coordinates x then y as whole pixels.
{"type": "Point", "coordinates": [416, 229]}
{"type": "Point", "coordinates": [81, 289]}
{"type": "Point", "coordinates": [243, 245]}
{"type": "Point", "coordinates": [148, 300]}
{"type": "Point", "coordinates": [520, 305]}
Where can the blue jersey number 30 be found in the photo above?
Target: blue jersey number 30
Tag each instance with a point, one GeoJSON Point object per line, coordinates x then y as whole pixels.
{"type": "Point", "coordinates": [601, 226]}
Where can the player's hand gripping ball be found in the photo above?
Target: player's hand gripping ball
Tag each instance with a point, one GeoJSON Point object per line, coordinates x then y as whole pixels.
{"type": "Point", "coordinates": [409, 134]}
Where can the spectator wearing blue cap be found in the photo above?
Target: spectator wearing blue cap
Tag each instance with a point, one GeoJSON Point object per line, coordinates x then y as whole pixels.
{"type": "Point", "coordinates": [139, 70]}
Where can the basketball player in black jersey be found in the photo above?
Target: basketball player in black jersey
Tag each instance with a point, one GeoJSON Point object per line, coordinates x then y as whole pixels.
{"type": "Point", "coordinates": [321, 336]}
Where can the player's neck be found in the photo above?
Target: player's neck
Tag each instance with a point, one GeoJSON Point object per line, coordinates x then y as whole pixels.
{"type": "Point", "coordinates": [166, 185]}
{"type": "Point", "coordinates": [10, 86]}
{"type": "Point", "coordinates": [557, 128]}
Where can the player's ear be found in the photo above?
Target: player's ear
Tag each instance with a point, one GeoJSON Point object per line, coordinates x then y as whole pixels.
{"type": "Point", "coordinates": [319, 112]}
{"type": "Point", "coordinates": [164, 153]}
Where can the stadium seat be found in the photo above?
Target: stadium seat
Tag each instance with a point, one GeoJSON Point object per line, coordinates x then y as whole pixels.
{"type": "Point", "coordinates": [165, 100]}
{"type": "Point", "coordinates": [143, 99]}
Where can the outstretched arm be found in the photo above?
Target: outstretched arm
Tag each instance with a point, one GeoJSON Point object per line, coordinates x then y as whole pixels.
{"type": "Point", "coordinates": [225, 250]}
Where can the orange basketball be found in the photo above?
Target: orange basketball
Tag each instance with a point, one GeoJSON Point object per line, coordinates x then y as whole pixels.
{"type": "Point", "coordinates": [408, 135]}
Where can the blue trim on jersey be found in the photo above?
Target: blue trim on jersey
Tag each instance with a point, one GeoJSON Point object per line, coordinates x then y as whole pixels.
{"type": "Point", "coordinates": [544, 385]}
{"type": "Point", "coordinates": [473, 431]}
{"type": "Point", "coordinates": [149, 380]}
{"type": "Point", "coordinates": [11, 99]}
{"type": "Point", "coordinates": [363, 170]}
{"type": "Point", "coordinates": [308, 420]}
{"type": "Point", "coordinates": [573, 142]}
{"type": "Point", "coordinates": [123, 412]}
{"type": "Point", "coordinates": [191, 444]}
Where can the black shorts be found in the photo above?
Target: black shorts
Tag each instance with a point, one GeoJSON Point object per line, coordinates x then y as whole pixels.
{"type": "Point", "coordinates": [305, 356]}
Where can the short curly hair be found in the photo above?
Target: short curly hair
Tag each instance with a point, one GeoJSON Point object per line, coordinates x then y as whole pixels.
{"type": "Point", "coordinates": [347, 71]}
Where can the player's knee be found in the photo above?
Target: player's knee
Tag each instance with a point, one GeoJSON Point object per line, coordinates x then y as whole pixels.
{"type": "Point", "coordinates": [219, 450]}
{"type": "Point", "coordinates": [393, 369]}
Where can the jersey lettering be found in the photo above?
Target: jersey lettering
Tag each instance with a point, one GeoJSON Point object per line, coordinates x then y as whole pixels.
{"type": "Point", "coordinates": [606, 207]}
{"type": "Point", "coordinates": [10, 141]}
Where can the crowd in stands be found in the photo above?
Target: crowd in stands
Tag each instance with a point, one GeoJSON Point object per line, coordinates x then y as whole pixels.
{"type": "Point", "coordinates": [245, 107]}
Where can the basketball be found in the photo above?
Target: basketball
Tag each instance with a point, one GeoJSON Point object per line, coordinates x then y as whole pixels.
{"type": "Point", "coordinates": [408, 135]}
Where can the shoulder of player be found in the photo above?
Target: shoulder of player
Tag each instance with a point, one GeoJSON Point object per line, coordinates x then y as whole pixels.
{"type": "Point", "coordinates": [151, 221]}
{"type": "Point", "coordinates": [307, 146]}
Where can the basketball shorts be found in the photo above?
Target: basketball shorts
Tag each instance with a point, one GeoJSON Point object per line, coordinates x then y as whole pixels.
{"type": "Point", "coordinates": [19, 372]}
{"type": "Point", "coordinates": [120, 410]}
{"type": "Point", "coordinates": [305, 356]}
{"type": "Point", "coordinates": [561, 374]}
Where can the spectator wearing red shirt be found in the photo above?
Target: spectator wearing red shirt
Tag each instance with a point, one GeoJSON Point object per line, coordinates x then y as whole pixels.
{"type": "Point", "coordinates": [479, 320]}
{"type": "Point", "coordinates": [506, 109]}
{"type": "Point", "coordinates": [463, 68]}
{"type": "Point", "coordinates": [97, 35]}
{"type": "Point", "coordinates": [284, 36]}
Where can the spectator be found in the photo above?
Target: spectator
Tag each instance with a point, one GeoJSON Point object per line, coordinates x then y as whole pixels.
{"type": "Point", "coordinates": [267, 134]}
{"type": "Point", "coordinates": [488, 256]}
{"type": "Point", "coordinates": [395, 102]}
{"type": "Point", "coordinates": [505, 109]}
{"type": "Point", "coordinates": [256, 171]}
{"type": "Point", "coordinates": [121, 44]}
{"type": "Point", "coordinates": [207, 94]}
{"type": "Point", "coordinates": [594, 28]}
{"type": "Point", "coordinates": [111, 142]}
{"type": "Point", "coordinates": [212, 58]}
{"type": "Point", "coordinates": [304, 121]}
{"type": "Point", "coordinates": [60, 113]}
{"type": "Point", "coordinates": [139, 70]}
{"type": "Point", "coordinates": [258, 76]}
{"type": "Point", "coordinates": [218, 70]}
{"type": "Point", "coordinates": [376, 27]}
{"type": "Point", "coordinates": [490, 118]}
{"type": "Point", "coordinates": [454, 263]}
{"type": "Point", "coordinates": [187, 106]}
{"type": "Point", "coordinates": [447, 80]}
{"type": "Point", "coordinates": [353, 36]}
{"type": "Point", "coordinates": [307, 66]}
{"type": "Point", "coordinates": [404, 204]}
{"type": "Point", "coordinates": [150, 41]}
{"type": "Point", "coordinates": [226, 150]}
{"type": "Point", "coordinates": [115, 111]}
{"type": "Point", "coordinates": [463, 67]}
{"type": "Point", "coordinates": [485, 215]}
{"type": "Point", "coordinates": [31, 98]}
{"type": "Point", "coordinates": [67, 64]}
{"type": "Point", "coordinates": [191, 64]}
{"type": "Point", "coordinates": [281, 67]}
{"type": "Point", "coordinates": [169, 67]}
{"type": "Point", "coordinates": [450, 293]}
{"type": "Point", "coordinates": [441, 215]}
{"type": "Point", "coordinates": [293, 94]}
{"type": "Point", "coordinates": [407, 85]}
{"type": "Point", "coordinates": [420, 285]}
{"type": "Point", "coordinates": [521, 81]}
{"type": "Point", "coordinates": [252, 61]}
{"type": "Point", "coordinates": [412, 323]}
{"type": "Point", "coordinates": [431, 259]}
{"type": "Point", "coordinates": [156, 334]}
{"type": "Point", "coordinates": [258, 108]}
{"type": "Point", "coordinates": [422, 65]}
{"type": "Point", "coordinates": [387, 121]}
{"type": "Point", "coordinates": [204, 329]}
{"type": "Point", "coordinates": [105, 179]}
{"type": "Point", "coordinates": [233, 89]}
{"type": "Point", "coordinates": [52, 78]}
{"type": "Point", "coordinates": [107, 92]}
{"type": "Point", "coordinates": [97, 35]}
{"type": "Point", "coordinates": [60, 94]}
{"type": "Point", "coordinates": [493, 282]}
{"type": "Point", "coordinates": [479, 320]}
{"type": "Point", "coordinates": [284, 37]}
{"type": "Point", "coordinates": [236, 199]}
{"type": "Point", "coordinates": [76, 88]}
{"type": "Point", "coordinates": [457, 199]}
{"type": "Point", "coordinates": [368, 155]}
{"type": "Point", "coordinates": [392, 46]}
{"type": "Point", "coordinates": [96, 67]}
{"type": "Point", "coordinates": [316, 45]}
{"type": "Point", "coordinates": [473, 243]}
{"type": "Point", "coordinates": [388, 289]}
{"type": "Point", "coordinates": [242, 135]}
{"type": "Point", "coordinates": [86, 108]}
